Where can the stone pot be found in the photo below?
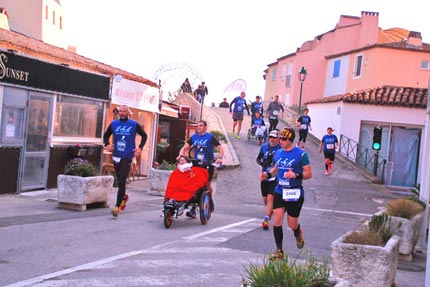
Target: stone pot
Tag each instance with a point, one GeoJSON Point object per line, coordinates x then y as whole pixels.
{"type": "Point", "coordinates": [75, 192]}
{"type": "Point", "coordinates": [158, 179]}
{"type": "Point", "coordinates": [408, 231]}
{"type": "Point", "coordinates": [365, 265]}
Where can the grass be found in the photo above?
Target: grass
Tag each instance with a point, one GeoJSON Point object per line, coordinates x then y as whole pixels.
{"type": "Point", "coordinates": [404, 207]}
{"type": "Point", "coordinates": [377, 232]}
{"type": "Point", "coordinates": [288, 274]}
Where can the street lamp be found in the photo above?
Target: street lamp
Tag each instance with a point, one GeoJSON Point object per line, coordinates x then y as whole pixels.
{"type": "Point", "coordinates": [302, 78]}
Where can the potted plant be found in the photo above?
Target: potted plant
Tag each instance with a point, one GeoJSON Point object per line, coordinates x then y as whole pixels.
{"type": "Point", "coordinates": [368, 257]}
{"type": "Point", "coordinates": [159, 176]}
{"type": "Point", "coordinates": [81, 185]}
{"type": "Point", "coordinates": [295, 273]}
{"type": "Point", "coordinates": [406, 219]}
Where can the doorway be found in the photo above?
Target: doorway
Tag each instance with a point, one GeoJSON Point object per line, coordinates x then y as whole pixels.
{"type": "Point", "coordinates": [36, 148]}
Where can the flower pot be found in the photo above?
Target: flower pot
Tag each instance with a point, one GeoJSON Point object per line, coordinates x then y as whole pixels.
{"type": "Point", "coordinates": [365, 265]}
{"type": "Point", "coordinates": [75, 192]}
{"type": "Point", "coordinates": [408, 231]}
{"type": "Point", "coordinates": [158, 179]}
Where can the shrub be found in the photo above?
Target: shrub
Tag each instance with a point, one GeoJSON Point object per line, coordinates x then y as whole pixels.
{"type": "Point", "coordinates": [404, 207]}
{"type": "Point", "coordinates": [377, 232]}
{"type": "Point", "coordinates": [219, 136]}
{"type": "Point", "coordinates": [282, 273]}
{"type": "Point", "coordinates": [80, 167]}
{"type": "Point", "coordinates": [166, 166]}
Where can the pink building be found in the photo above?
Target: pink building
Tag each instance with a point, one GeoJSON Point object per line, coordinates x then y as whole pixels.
{"type": "Point", "coordinates": [360, 76]}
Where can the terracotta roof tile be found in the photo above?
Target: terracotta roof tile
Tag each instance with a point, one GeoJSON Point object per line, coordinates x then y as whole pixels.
{"type": "Point", "coordinates": [40, 50]}
{"type": "Point", "coordinates": [384, 96]}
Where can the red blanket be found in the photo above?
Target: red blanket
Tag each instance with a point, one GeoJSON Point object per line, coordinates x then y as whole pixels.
{"type": "Point", "coordinates": [182, 186]}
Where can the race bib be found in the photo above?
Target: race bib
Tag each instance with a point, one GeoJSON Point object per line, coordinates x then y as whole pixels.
{"type": "Point", "coordinates": [303, 127]}
{"type": "Point", "coordinates": [330, 146]}
{"type": "Point", "coordinates": [116, 159]}
{"type": "Point", "coordinates": [284, 182]}
{"type": "Point", "coordinates": [275, 113]}
{"type": "Point", "coordinates": [292, 194]}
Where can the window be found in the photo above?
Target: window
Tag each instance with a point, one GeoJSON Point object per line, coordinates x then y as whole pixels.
{"type": "Point", "coordinates": [53, 17]}
{"type": "Point", "coordinates": [274, 74]}
{"type": "Point", "coordinates": [425, 65]}
{"type": "Point", "coordinates": [289, 73]}
{"type": "Point", "coordinates": [12, 124]}
{"type": "Point", "coordinates": [76, 117]}
{"type": "Point", "coordinates": [336, 69]}
{"type": "Point", "coordinates": [357, 67]}
{"type": "Point", "coordinates": [284, 72]}
{"type": "Point", "coordinates": [46, 12]}
{"type": "Point", "coordinates": [61, 23]}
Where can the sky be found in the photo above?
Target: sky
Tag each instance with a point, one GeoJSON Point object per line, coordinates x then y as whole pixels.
{"type": "Point", "coordinates": [215, 41]}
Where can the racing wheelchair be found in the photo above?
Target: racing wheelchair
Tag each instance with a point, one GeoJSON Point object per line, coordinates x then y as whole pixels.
{"type": "Point", "coordinates": [186, 189]}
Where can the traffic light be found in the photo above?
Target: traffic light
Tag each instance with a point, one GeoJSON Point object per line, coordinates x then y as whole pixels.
{"type": "Point", "coordinates": [377, 137]}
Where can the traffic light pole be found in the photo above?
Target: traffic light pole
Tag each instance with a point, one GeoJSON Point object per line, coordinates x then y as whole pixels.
{"type": "Point", "coordinates": [375, 163]}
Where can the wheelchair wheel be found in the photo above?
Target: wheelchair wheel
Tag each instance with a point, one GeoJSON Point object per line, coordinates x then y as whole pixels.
{"type": "Point", "coordinates": [249, 134]}
{"type": "Point", "coordinates": [168, 217]}
{"type": "Point", "coordinates": [205, 209]}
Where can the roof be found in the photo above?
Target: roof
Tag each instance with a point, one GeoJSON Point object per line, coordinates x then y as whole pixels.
{"type": "Point", "coordinates": [383, 96]}
{"type": "Point", "coordinates": [37, 49]}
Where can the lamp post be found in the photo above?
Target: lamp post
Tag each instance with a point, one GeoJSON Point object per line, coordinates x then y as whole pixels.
{"type": "Point", "coordinates": [302, 78]}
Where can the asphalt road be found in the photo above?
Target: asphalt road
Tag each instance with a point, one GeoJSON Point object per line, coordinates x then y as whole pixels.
{"type": "Point", "coordinates": [45, 246]}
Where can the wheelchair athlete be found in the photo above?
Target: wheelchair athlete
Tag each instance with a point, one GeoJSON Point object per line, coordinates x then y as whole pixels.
{"type": "Point", "coordinates": [258, 121]}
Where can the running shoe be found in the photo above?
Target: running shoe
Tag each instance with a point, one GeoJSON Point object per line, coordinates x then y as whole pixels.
{"type": "Point", "coordinates": [124, 202]}
{"type": "Point", "coordinates": [300, 240]}
{"type": "Point", "coordinates": [232, 133]}
{"type": "Point", "coordinates": [238, 137]}
{"type": "Point", "coordinates": [191, 213]}
{"type": "Point", "coordinates": [326, 172]}
{"type": "Point", "coordinates": [277, 255]}
{"type": "Point", "coordinates": [115, 211]}
{"type": "Point", "coordinates": [265, 224]}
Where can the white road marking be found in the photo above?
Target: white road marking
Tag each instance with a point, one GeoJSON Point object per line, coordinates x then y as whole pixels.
{"type": "Point", "coordinates": [97, 263]}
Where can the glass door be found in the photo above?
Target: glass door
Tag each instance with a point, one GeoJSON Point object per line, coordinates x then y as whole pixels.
{"type": "Point", "coordinates": [36, 153]}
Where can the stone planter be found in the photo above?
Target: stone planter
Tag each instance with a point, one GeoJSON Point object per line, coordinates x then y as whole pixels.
{"type": "Point", "coordinates": [158, 179]}
{"type": "Point", "coordinates": [365, 265]}
{"type": "Point", "coordinates": [75, 192]}
{"type": "Point", "coordinates": [408, 231]}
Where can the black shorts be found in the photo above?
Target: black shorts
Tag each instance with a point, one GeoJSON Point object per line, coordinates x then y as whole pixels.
{"type": "Point", "coordinates": [292, 208]}
{"type": "Point", "coordinates": [267, 187]}
{"type": "Point", "coordinates": [329, 155]}
{"type": "Point", "coordinates": [303, 135]}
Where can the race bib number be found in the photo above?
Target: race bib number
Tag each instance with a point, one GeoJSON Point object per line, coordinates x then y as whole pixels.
{"type": "Point", "coordinates": [273, 117]}
{"type": "Point", "coordinates": [330, 146]}
{"type": "Point", "coordinates": [275, 113]}
{"type": "Point", "coordinates": [116, 159]}
{"type": "Point", "coordinates": [291, 194]}
{"type": "Point", "coordinates": [303, 127]}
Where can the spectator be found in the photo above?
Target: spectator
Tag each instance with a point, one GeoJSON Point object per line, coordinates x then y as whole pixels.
{"type": "Point", "coordinates": [224, 104]}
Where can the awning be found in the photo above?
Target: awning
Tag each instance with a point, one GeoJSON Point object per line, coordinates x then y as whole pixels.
{"type": "Point", "coordinates": [166, 110]}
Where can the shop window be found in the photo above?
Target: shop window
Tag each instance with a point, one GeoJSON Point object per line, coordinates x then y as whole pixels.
{"type": "Point", "coordinates": [75, 117]}
{"type": "Point", "coordinates": [13, 119]}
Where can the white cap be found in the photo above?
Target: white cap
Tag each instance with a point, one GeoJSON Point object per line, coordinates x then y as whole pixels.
{"type": "Point", "coordinates": [274, 134]}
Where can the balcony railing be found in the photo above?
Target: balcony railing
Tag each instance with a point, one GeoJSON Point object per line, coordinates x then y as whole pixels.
{"type": "Point", "coordinates": [361, 155]}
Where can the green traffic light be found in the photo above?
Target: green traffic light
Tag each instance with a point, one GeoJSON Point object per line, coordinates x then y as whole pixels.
{"type": "Point", "coordinates": [376, 146]}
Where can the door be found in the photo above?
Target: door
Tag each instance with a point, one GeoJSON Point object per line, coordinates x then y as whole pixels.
{"type": "Point", "coordinates": [36, 150]}
{"type": "Point", "coordinates": [404, 153]}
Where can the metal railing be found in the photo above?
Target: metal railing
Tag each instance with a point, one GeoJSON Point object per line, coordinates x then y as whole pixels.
{"type": "Point", "coordinates": [361, 155]}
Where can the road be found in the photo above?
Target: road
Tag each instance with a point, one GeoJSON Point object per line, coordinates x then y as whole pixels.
{"type": "Point", "coordinates": [45, 246]}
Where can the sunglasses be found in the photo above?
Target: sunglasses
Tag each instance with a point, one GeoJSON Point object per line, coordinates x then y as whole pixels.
{"type": "Point", "coordinates": [283, 139]}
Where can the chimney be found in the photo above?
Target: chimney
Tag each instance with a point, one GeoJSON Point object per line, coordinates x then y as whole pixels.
{"type": "Point", "coordinates": [415, 39]}
{"type": "Point", "coordinates": [4, 19]}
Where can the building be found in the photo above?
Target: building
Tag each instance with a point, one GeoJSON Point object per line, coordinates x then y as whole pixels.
{"type": "Point", "coordinates": [54, 101]}
{"type": "Point", "coordinates": [387, 69]}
